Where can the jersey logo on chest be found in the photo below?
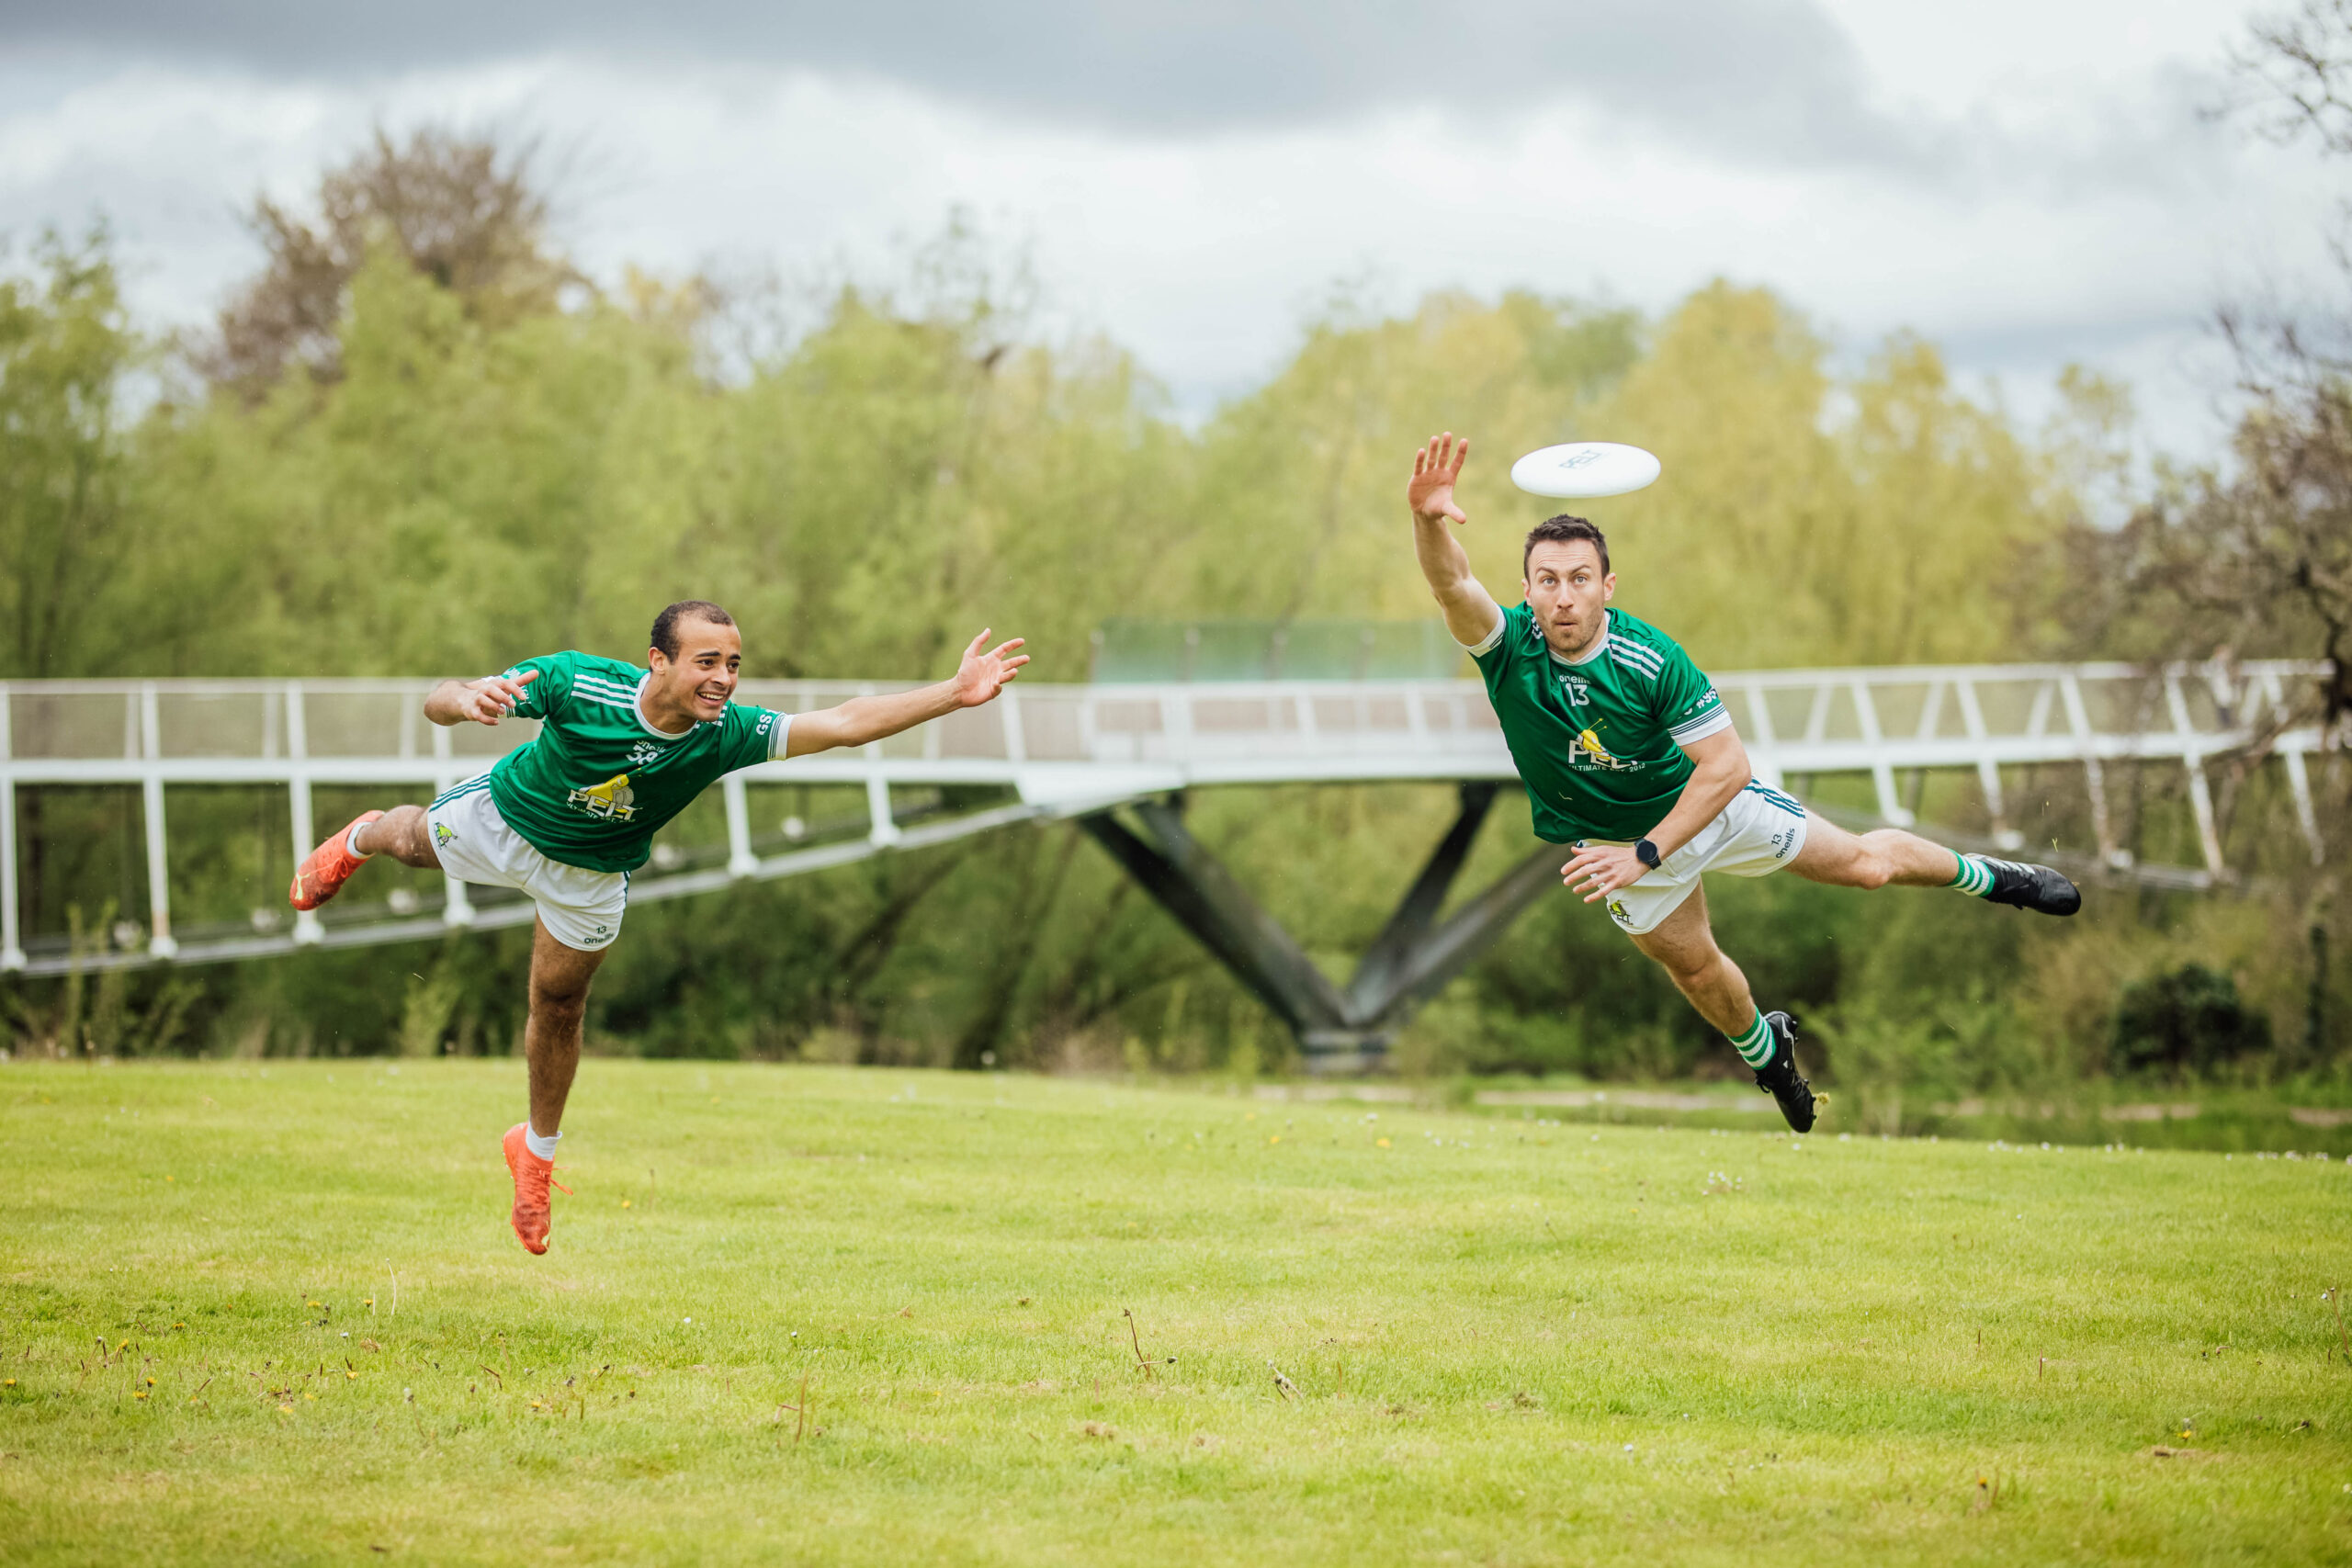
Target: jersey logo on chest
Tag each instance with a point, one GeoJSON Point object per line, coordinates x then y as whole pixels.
{"type": "Point", "coordinates": [1590, 753]}
{"type": "Point", "coordinates": [613, 800]}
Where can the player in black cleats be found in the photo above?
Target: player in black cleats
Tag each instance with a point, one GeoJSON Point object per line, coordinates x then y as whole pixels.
{"type": "Point", "coordinates": [1633, 760]}
{"type": "Point", "coordinates": [1778, 1077]}
{"type": "Point", "coordinates": [2035, 887]}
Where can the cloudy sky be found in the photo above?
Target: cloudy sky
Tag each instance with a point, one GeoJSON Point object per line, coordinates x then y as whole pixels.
{"type": "Point", "coordinates": [2028, 183]}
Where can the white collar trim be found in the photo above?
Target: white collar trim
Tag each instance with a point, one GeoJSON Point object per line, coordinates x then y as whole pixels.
{"type": "Point", "coordinates": [636, 706]}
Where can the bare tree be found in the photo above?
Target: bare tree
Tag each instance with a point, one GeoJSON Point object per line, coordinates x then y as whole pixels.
{"type": "Point", "coordinates": [465, 212]}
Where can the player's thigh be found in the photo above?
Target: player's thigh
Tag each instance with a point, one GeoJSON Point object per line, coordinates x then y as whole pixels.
{"type": "Point", "coordinates": [559, 972]}
{"type": "Point", "coordinates": [1685, 940]}
{"type": "Point", "coordinates": [1830, 853]}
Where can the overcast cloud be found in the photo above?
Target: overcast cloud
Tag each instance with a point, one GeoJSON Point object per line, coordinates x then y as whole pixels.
{"type": "Point", "coordinates": [2028, 184]}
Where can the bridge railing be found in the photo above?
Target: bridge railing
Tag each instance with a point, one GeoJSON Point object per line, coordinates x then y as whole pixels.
{"type": "Point", "coordinates": [1067, 749]}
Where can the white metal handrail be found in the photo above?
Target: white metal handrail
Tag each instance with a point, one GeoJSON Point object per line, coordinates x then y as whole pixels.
{"type": "Point", "coordinates": [1072, 749]}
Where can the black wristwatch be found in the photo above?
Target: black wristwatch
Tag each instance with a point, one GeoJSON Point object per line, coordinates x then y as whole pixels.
{"type": "Point", "coordinates": [1647, 852]}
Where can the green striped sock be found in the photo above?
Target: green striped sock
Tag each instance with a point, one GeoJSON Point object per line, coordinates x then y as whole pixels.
{"type": "Point", "coordinates": [1975, 877]}
{"type": "Point", "coordinates": [1754, 1046]}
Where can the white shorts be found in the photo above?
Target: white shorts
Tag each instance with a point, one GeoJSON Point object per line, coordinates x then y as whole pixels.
{"type": "Point", "coordinates": [581, 909]}
{"type": "Point", "coordinates": [1761, 831]}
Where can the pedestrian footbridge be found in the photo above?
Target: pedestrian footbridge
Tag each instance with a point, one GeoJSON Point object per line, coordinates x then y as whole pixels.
{"type": "Point", "coordinates": [1118, 757]}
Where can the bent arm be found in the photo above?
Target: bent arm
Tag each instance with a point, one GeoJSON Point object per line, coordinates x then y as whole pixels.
{"type": "Point", "coordinates": [1470, 611]}
{"type": "Point", "coordinates": [485, 701]}
{"type": "Point", "coordinates": [1722, 773]}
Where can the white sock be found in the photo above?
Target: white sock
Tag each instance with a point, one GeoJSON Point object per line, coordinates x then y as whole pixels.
{"type": "Point", "coordinates": [351, 841]}
{"type": "Point", "coordinates": [543, 1147]}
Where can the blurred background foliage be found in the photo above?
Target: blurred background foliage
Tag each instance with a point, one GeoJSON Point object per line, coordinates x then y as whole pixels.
{"type": "Point", "coordinates": [420, 442]}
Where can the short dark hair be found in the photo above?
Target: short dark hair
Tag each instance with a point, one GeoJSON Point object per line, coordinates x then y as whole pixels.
{"type": "Point", "coordinates": [1561, 530]}
{"type": "Point", "coordinates": [665, 625]}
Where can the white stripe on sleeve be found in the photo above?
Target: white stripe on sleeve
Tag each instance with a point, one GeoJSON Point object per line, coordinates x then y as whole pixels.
{"type": "Point", "coordinates": [1710, 723]}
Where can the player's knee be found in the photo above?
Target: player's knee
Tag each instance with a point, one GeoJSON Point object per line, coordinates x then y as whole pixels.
{"type": "Point", "coordinates": [560, 1005]}
{"type": "Point", "coordinates": [1688, 969]}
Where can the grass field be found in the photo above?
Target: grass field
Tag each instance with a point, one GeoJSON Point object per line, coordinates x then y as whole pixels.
{"type": "Point", "coordinates": [1512, 1342]}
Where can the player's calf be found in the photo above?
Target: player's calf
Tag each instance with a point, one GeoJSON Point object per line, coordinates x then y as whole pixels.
{"type": "Point", "coordinates": [404, 833]}
{"type": "Point", "coordinates": [401, 833]}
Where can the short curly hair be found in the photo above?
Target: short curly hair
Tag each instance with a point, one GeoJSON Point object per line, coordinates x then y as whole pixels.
{"type": "Point", "coordinates": [1561, 530]}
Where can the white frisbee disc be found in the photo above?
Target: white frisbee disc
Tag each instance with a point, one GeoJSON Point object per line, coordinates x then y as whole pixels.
{"type": "Point", "coordinates": [1584, 469]}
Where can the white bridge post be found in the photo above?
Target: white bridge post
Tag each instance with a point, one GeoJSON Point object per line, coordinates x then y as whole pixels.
{"type": "Point", "coordinates": [2201, 791]}
{"type": "Point", "coordinates": [881, 828]}
{"type": "Point", "coordinates": [1765, 754]}
{"type": "Point", "coordinates": [740, 860]}
{"type": "Point", "coordinates": [12, 951]}
{"type": "Point", "coordinates": [2079, 720]}
{"type": "Point", "coordinates": [1988, 771]}
{"type": "Point", "coordinates": [307, 930]}
{"type": "Point", "coordinates": [457, 911]}
{"type": "Point", "coordinates": [1890, 808]}
{"type": "Point", "coordinates": [150, 787]}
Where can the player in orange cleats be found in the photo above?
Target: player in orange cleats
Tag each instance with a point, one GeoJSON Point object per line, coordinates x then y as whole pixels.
{"type": "Point", "coordinates": [564, 818]}
{"type": "Point", "coordinates": [533, 1175]}
{"type": "Point", "coordinates": [325, 869]}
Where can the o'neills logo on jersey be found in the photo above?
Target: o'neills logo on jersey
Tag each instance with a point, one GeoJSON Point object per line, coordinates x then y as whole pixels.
{"type": "Point", "coordinates": [613, 800]}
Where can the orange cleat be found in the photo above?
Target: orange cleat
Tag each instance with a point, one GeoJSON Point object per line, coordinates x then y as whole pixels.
{"type": "Point", "coordinates": [325, 869]}
{"type": "Point", "coordinates": [533, 1177]}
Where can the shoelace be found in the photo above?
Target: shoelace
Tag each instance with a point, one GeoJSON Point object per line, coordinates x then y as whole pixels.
{"type": "Point", "coordinates": [543, 1181]}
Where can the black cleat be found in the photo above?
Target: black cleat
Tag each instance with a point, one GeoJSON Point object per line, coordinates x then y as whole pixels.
{"type": "Point", "coordinates": [2033, 887]}
{"type": "Point", "coordinates": [1778, 1077]}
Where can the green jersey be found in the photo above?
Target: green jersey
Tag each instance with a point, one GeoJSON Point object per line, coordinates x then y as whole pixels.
{"type": "Point", "coordinates": [1598, 743]}
{"type": "Point", "coordinates": [597, 783]}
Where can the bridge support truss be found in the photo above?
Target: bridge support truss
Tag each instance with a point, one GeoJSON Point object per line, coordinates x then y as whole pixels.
{"type": "Point", "coordinates": [1340, 1029]}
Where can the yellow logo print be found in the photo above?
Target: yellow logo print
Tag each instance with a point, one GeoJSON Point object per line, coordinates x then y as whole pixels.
{"type": "Point", "coordinates": [611, 800]}
{"type": "Point", "coordinates": [1588, 742]}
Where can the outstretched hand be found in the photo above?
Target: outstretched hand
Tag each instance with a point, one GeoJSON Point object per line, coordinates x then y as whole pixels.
{"type": "Point", "coordinates": [982, 676]}
{"type": "Point", "coordinates": [492, 698]}
{"type": "Point", "coordinates": [1435, 469]}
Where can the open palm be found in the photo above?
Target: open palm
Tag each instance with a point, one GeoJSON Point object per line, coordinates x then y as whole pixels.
{"type": "Point", "coordinates": [982, 676]}
{"type": "Point", "coordinates": [1436, 467]}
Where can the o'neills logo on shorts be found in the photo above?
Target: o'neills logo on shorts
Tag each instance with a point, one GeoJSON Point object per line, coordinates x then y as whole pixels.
{"type": "Point", "coordinates": [613, 800]}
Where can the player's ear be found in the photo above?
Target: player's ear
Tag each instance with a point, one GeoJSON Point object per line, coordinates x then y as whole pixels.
{"type": "Point", "coordinates": [1609, 587]}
